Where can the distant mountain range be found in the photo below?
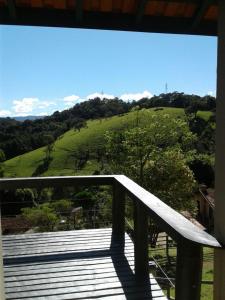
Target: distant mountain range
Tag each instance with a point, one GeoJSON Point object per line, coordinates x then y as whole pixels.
{"type": "Point", "coordinates": [32, 118]}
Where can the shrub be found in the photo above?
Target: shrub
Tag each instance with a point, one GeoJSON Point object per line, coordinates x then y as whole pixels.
{"type": "Point", "coordinates": [43, 217]}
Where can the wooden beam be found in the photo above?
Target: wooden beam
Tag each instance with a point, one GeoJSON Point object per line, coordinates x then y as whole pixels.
{"type": "Point", "coordinates": [219, 212]}
{"type": "Point", "coordinates": [79, 11]}
{"type": "Point", "coordinates": [188, 271]}
{"type": "Point", "coordinates": [140, 10]}
{"type": "Point", "coordinates": [110, 21]}
{"type": "Point", "coordinates": [2, 290]}
{"type": "Point", "coordinates": [12, 9]}
{"type": "Point", "coordinates": [118, 214]}
{"type": "Point", "coordinates": [141, 242]}
{"type": "Point", "coordinates": [202, 9]}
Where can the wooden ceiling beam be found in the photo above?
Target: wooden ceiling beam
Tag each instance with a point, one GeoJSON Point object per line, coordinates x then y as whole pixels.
{"type": "Point", "coordinates": [108, 21]}
{"type": "Point", "coordinates": [79, 11]}
{"type": "Point", "coordinates": [140, 11]}
{"type": "Point", "coordinates": [202, 9]}
{"type": "Point", "coordinates": [12, 9]}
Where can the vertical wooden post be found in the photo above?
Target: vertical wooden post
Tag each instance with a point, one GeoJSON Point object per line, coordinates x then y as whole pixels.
{"type": "Point", "coordinates": [2, 293]}
{"type": "Point", "coordinates": [141, 241]}
{"type": "Point", "coordinates": [219, 213]}
{"type": "Point", "coordinates": [188, 271]}
{"type": "Point", "coordinates": [118, 213]}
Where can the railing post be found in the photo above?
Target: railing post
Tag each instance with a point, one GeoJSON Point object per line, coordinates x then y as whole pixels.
{"type": "Point", "coordinates": [118, 213]}
{"type": "Point", "coordinates": [141, 242]}
{"type": "Point", "coordinates": [188, 271]}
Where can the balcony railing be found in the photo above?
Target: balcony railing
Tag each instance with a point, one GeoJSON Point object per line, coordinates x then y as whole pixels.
{"type": "Point", "coordinates": [189, 238]}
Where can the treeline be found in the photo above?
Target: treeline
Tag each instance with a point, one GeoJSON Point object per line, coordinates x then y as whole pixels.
{"type": "Point", "coordinates": [180, 100]}
{"type": "Point", "coordinates": [17, 137]}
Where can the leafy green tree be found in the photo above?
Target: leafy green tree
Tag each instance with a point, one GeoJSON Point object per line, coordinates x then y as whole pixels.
{"type": "Point", "coordinates": [62, 206]}
{"type": "Point", "coordinates": [2, 159]}
{"type": "Point", "coordinates": [155, 155]}
{"type": "Point", "coordinates": [2, 156]}
{"type": "Point", "coordinates": [48, 152]}
{"type": "Point", "coordinates": [43, 217]}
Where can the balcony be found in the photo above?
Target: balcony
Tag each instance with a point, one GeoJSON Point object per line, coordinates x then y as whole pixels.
{"type": "Point", "coordinates": [102, 263]}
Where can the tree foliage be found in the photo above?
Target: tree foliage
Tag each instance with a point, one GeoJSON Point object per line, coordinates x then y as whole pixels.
{"type": "Point", "coordinates": [155, 155]}
{"type": "Point", "coordinates": [47, 216]}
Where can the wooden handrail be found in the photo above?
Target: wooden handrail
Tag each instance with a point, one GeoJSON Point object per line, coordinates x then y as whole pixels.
{"type": "Point", "coordinates": [41, 182]}
{"type": "Point", "coordinates": [172, 222]}
{"type": "Point", "coordinates": [190, 239]}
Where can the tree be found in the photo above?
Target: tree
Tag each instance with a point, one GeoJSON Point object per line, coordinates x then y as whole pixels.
{"type": "Point", "coordinates": [2, 159]}
{"type": "Point", "coordinates": [48, 151]}
{"type": "Point", "coordinates": [42, 216]}
{"type": "Point", "coordinates": [154, 153]}
{"type": "Point", "coordinates": [2, 156]}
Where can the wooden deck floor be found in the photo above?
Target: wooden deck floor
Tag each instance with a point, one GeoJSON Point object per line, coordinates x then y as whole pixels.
{"type": "Point", "coordinates": [78, 264]}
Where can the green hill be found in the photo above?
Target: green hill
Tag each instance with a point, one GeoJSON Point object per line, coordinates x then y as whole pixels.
{"type": "Point", "coordinates": [72, 142]}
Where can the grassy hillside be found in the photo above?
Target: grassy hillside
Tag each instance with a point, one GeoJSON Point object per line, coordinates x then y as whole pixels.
{"type": "Point", "coordinates": [91, 137]}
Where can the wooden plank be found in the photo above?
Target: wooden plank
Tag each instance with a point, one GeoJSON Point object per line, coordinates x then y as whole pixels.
{"type": "Point", "coordinates": [74, 267]}
{"type": "Point", "coordinates": [141, 10]}
{"type": "Point", "coordinates": [70, 233]}
{"type": "Point", "coordinates": [55, 241]}
{"type": "Point", "coordinates": [59, 265]}
{"type": "Point", "coordinates": [127, 280]}
{"type": "Point", "coordinates": [79, 10]}
{"type": "Point", "coordinates": [41, 182]}
{"type": "Point", "coordinates": [106, 5]}
{"type": "Point", "coordinates": [46, 254]}
{"type": "Point", "coordinates": [200, 13]}
{"type": "Point", "coordinates": [12, 9]}
{"type": "Point", "coordinates": [91, 291]}
{"type": "Point", "coordinates": [18, 282]}
{"type": "Point", "coordinates": [31, 245]}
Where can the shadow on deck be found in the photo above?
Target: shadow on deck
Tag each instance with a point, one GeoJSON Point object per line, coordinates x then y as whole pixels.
{"type": "Point", "coordinates": [83, 264]}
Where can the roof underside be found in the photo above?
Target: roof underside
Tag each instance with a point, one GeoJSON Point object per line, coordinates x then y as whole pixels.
{"type": "Point", "coordinates": [164, 16]}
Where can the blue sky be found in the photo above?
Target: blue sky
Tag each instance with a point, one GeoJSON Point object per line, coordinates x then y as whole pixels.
{"type": "Point", "coordinates": [44, 69]}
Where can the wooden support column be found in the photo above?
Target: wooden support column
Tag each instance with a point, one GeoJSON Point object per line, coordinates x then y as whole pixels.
{"type": "Point", "coordinates": [219, 213]}
{"type": "Point", "coordinates": [188, 271]}
{"type": "Point", "coordinates": [2, 293]}
{"type": "Point", "coordinates": [118, 213]}
{"type": "Point", "coordinates": [141, 242]}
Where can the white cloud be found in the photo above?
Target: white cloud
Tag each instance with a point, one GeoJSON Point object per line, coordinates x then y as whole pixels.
{"type": "Point", "coordinates": [24, 106]}
{"type": "Point", "coordinates": [44, 104]}
{"type": "Point", "coordinates": [5, 113]}
{"type": "Point", "coordinates": [136, 96]}
{"type": "Point", "coordinates": [212, 93]}
{"type": "Point", "coordinates": [35, 106]}
{"type": "Point", "coordinates": [71, 100]}
{"type": "Point", "coordinates": [28, 106]}
{"type": "Point", "coordinates": [42, 114]}
{"type": "Point", "coordinates": [100, 95]}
